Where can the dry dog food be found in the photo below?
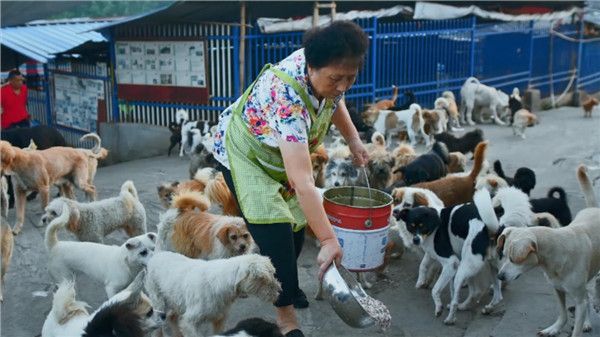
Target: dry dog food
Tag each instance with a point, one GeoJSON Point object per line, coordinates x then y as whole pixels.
{"type": "Point", "coordinates": [377, 310]}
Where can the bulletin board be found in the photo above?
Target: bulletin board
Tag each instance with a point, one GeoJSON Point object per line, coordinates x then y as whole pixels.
{"type": "Point", "coordinates": [76, 101]}
{"type": "Point", "coordinates": [162, 71]}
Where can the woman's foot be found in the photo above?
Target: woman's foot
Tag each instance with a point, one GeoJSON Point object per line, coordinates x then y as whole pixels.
{"type": "Point", "coordinates": [300, 302]}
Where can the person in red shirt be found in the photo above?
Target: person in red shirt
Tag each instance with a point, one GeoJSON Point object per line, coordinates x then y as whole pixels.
{"type": "Point", "coordinates": [13, 102]}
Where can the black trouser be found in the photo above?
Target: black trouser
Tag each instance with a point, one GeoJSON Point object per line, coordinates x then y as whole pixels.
{"type": "Point", "coordinates": [22, 124]}
{"type": "Point", "coordinates": [281, 245]}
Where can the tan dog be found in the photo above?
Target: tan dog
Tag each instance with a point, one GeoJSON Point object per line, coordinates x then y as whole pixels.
{"type": "Point", "coordinates": [568, 255]}
{"type": "Point", "coordinates": [452, 109]}
{"type": "Point", "coordinates": [403, 154]}
{"type": "Point", "coordinates": [38, 170]}
{"type": "Point", "coordinates": [7, 240]}
{"type": "Point", "coordinates": [589, 105]}
{"type": "Point", "coordinates": [202, 235]}
{"type": "Point", "coordinates": [457, 162]}
{"type": "Point", "coordinates": [380, 163]}
{"type": "Point", "coordinates": [217, 191]}
{"type": "Point", "coordinates": [319, 160]}
{"type": "Point", "coordinates": [166, 191]}
{"type": "Point", "coordinates": [455, 190]}
{"type": "Point", "coordinates": [521, 120]}
{"type": "Point", "coordinates": [97, 152]}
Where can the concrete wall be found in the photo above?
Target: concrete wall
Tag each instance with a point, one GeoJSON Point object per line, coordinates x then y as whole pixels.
{"type": "Point", "coordinates": [130, 141]}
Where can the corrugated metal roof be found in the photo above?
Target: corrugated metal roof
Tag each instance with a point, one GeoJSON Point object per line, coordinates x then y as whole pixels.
{"type": "Point", "coordinates": [40, 40]}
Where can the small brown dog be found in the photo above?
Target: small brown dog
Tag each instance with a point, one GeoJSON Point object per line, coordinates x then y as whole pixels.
{"type": "Point", "coordinates": [166, 191]}
{"type": "Point", "coordinates": [199, 234]}
{"type": "Point", "coordinates": [39, 170]}
{"type": "Point", "coordinates": [589, 105]}
{"type": "Point", "coordinates": [455, 190]}
{"type": "Point", "coordinates": [319, 160]}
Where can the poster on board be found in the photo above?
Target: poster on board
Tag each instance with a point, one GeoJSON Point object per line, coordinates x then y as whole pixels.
{"type": "Point", "coordinates": [161, 63]}
{"type": "Point", "coordinates": [76, 101]}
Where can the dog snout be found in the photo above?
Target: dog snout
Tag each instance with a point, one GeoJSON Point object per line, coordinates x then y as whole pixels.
{"type": "Point", "coordinates": [417, 240]}
{"type": "Point", "coordinates": [162, 316]}
{"type": "Point", "coordinates": [502, 277]}
{"type": "Point", "coordinates": [336, 184]}
{"type": "Point", "coordinates": [242, 248]}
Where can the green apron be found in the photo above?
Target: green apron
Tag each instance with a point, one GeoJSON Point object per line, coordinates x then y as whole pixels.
{"type": "Point", "coordinates": [261, 183]}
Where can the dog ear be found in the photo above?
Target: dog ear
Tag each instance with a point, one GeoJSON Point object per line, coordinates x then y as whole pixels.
{"type": "Point", "coordinates": [175, 184]}
{"type": "Point", "coordinates": [419, 199]}
{"type": "Point", "coordinates": [500, 239]}
{"type": "Point", "coordinates": [404, 214]}
{"type": "Point", "coordinates": [223, 235]}
{"type": "Point", "coordinates": [132, 244]}
{"type": "Point", "coordinates": [493, 183]}
{"type": "Point", "coordinates": [151, 236]}
{"type": "Point", "coordinates": [521, 251]}
{"type": "Point", "coordinates": [73, 224]}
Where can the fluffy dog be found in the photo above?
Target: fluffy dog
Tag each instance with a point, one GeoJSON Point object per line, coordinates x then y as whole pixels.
{"type": "Point", "coordinates": [192, 134]}
{"type": "Point", "coordinates": [464, 144]}
{"type": "Point", "coordinates": [458, 238]}
{"type": "Point", "coordinates": [452, 111]}
{"type": "Point", "coordinates": [198, 291]}
{"type": "Point", "coordinates": [93, 221]}
{"type": "Point", "coordinates": [474, 94]}
{"type": "Point", "coordinates": [253, 327]}
{"type": "Point", "coordinates": [380, 163]}
{"type": "Point", "coordinates": [441, 106]}
{"type": "Point", "coordinates": [557, 206]}
{"type": "Point", "coordinates": [524, 178]}
{"type": "Point", "coordinates": [166, 191]}
{"type": "Point", "coordinates": [588, 106]}
{"type": "Point", "coordinates": [403, 155]}
{"type": "Point", "coordinates": [568, 255]}
{"type": "Point", "coordinates": [38, 170]}
{"type": "Point", "coordinates": [521, 120]}
{"type": "Point", "coordinates": [454, 190]}
{"type": "Point", "coordinates": [319, 161]}
{"type": "Point", "coordinates": [340, 170]}
{"type": "Point", "coordinates": [128, 314]}
{"type": "Point", "coordinates": [515, 209]}
{"type": "Point", "coordinates": [427, 167]}
{"type": "Point", "coordinates": [217, 191]}
{"type": "Point", "coordinates": [114, 266]}
{"type": "Point", "coordinates": [7, 240]}
{"type": "Point", "coordinates": [201, 234]}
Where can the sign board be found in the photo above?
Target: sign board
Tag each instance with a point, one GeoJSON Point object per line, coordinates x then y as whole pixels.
{"type": "Point", "coordinates": [76, 101]}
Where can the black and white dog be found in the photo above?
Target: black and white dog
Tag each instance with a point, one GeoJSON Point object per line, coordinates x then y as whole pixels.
{"type": "Point", "coordinates": [459, 239]}
{"type": "Point", "coordinates": [465, 144]}
{"type": "Point", "coordinates": [253, 327]}
{"type": "Point", "coordinates": [524, 178]}
{"type": "Point", "coordinates": [553, 205]}
{"type": "Point", "coordinates": [192, 133]}
{"type": "Point", "coordinates": [181, 117]}
{"type": "Point", "coordinates": [427, 167]}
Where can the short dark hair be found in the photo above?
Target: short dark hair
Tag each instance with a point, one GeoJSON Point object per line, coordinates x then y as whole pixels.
{"type": "Point", "coordinates": [338, 41]}
{"type": "Point", "coordinates": [14, 73]}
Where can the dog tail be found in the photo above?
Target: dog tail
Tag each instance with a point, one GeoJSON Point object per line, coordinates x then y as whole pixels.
{"type": "Point", "coordinates": [483, 202]}
{"type": "Point", "coordinates": [128, 187]}
{"type": "Point", "coordinates": [56, 224]}
{"type": "Point", "coordinates": [498, 169]}
{"type": "Point", "coordinates": [188, 200]}
{"type": "Point", "coordinates": [561, 193]}
{"type": "Point", "coordinates": [479, 157]}
{"type": "Point", "coordinates": [586, 186]}
{"type": "Point", "coordinates": [441, 150]}
{"type": "Point", "coordinates": [64, 305]}
{"type": "Point", "coordinates": [378, 139]}
{"type": "Point", "coordinates": [97, 149]}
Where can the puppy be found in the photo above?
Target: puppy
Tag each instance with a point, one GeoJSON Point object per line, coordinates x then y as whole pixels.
{"type": "Point", "coordinates": [521, 120]}
{"type": "Point", "coordinates": [319, 161]}
{"type": "Point", "coordinates": [458, 238]}
{"type": "Point", "coordinates": [93, 221]}
{"type": "Point", "coordinates": [202, 235]}
{"type": "Point", "coordinates": [474, 94]}
{"type": "Point", "coordinates": [457, 162]}
{"type": "Point", "coordinates": [38, 170]}
{"type": "Point", "coordinates": [114, 266]}
{"type": "Point", "coordinates": [524, 178]}
{"type": "Point", "coordinates": [253, 327]}
{"type": "Point", "coordinates": [380, 163]}
{"type": "Point", "coordinates": [452, 110]}
{"type": "Point", "coordinates": [464, 144]}
{"type": "Point", "coordinates": [588, 106]}
{"type": "Point", "coordinates": [427, 167]}
{"type": "Point", "coordinates": [128, 314]}
{"type": "Point", "coordinates": [557, 206]}
{"type": "Point", "coordinates": [568, 255]}
{"type": "Point", "coordinates": [198, 291]}
{"type": "Point", "coordinates": [7, 240]}
{"type": "Point", "coordinates": [454, 190]}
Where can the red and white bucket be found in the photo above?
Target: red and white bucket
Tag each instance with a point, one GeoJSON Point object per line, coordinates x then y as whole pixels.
{"type": "Point", "coordinates": [360, 219]}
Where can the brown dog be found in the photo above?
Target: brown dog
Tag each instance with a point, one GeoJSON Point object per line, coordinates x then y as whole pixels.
{"type": "Point", "coordinates": [38, 170]}
{"type": "Point", "coordinates": [7, 240]}
{"type": "Point", "coordinates": [167, 191]}
{"type": "Point", "coordinates": [588, 106]}
{"type": "Point", "coordinates": [199, 234]}
{"type": "Point", "coordinates": [319, 160]}
{"type": "Point", "coordinates": [455, 190]}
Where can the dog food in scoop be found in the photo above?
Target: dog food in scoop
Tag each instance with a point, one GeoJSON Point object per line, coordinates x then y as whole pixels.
{"type": "Point", "coordinates": [377, 310]}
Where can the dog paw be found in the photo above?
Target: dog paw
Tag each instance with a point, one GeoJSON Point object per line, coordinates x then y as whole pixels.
{"type": "Point", "coordinates": [587, 327]}
{"type": "Point", "coordinates": [421, 285]}
{"type": "Point", "coordinates": [487, 310]}
{"type": "Point", "coordinates": [548, 332]}
{"type": "Point", "coordinates": [438, 311]}
{"type": "Point", "coordinates": [450, 320]}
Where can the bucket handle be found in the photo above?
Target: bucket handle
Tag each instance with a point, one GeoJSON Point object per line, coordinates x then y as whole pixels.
{"type": "Point", "coordinates": [369, 221]}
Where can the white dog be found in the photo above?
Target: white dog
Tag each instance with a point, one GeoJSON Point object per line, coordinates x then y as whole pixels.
{"type": "Point", "coordinates": [114, 266]}
{"type": "Point", "coordinates": [94, 220]}
{"type": "Point", "coordinates": [198, 291]}
{"type": "Point", "coordinates": [474, 94]}
{"type": "Point", "coordinates": [517, 209]}
{"type": "Point", "coordinates": [70, 318]}
{"type": "Point", "coordinates": [388, 124]}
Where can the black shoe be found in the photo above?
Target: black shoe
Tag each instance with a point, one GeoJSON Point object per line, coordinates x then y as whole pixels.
{"type": "Point", "coordinates": [294, 333]}
{"type": "Point", "coordinates": [300, 302]}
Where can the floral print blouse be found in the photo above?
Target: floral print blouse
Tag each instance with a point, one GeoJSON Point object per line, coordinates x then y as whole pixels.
{"type": "Point", "coordinates": [274, 110]}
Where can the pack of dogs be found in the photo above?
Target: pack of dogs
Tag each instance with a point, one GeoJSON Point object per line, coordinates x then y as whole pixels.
{"type": "Point", "coordinates": [475, 226]}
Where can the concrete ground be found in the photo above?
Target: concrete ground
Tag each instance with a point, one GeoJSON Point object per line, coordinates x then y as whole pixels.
{"type": "Point", "coordinates": [553, 149]}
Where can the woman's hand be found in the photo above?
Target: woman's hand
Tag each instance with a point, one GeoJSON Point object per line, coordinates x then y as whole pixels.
{"type": "Point", "coordinates": [330, 251]}
{"type": "Point", "coordinates": [359, 152]}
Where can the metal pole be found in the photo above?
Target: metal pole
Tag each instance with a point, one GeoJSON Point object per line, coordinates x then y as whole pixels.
{"type": "Point", "coordinates": [473, 28]}
{"type": "Point", "coordinates": [242, 49]}
{"type": "Point", "coordinates": [47, 92]}
{"type": "Point", "coordinates": [315, 19]}
{"type": "Point", "coordinates": [531, 23]}
{"type": "Point", "coordinates": [579, 52]}
{"type": "Point", "coordinates": [373, 57]}
{"type": "Point", "coordinates": [113, 76]}
{"type": "Point", "coordinates": [236, 65]}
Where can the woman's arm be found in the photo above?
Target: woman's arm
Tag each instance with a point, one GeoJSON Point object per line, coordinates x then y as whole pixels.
{"type": "Point", "coordinates": [342, 121]}
{"type": "Point", "coordinates": [296, 159]}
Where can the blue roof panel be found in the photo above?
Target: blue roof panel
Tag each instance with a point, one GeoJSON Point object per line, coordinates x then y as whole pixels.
{"type": "Point", "coordinates": [40, 40]}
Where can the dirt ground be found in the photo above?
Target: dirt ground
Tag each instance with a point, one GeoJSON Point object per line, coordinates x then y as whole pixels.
{"type": "Point", "coordinates": [552, 149]}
